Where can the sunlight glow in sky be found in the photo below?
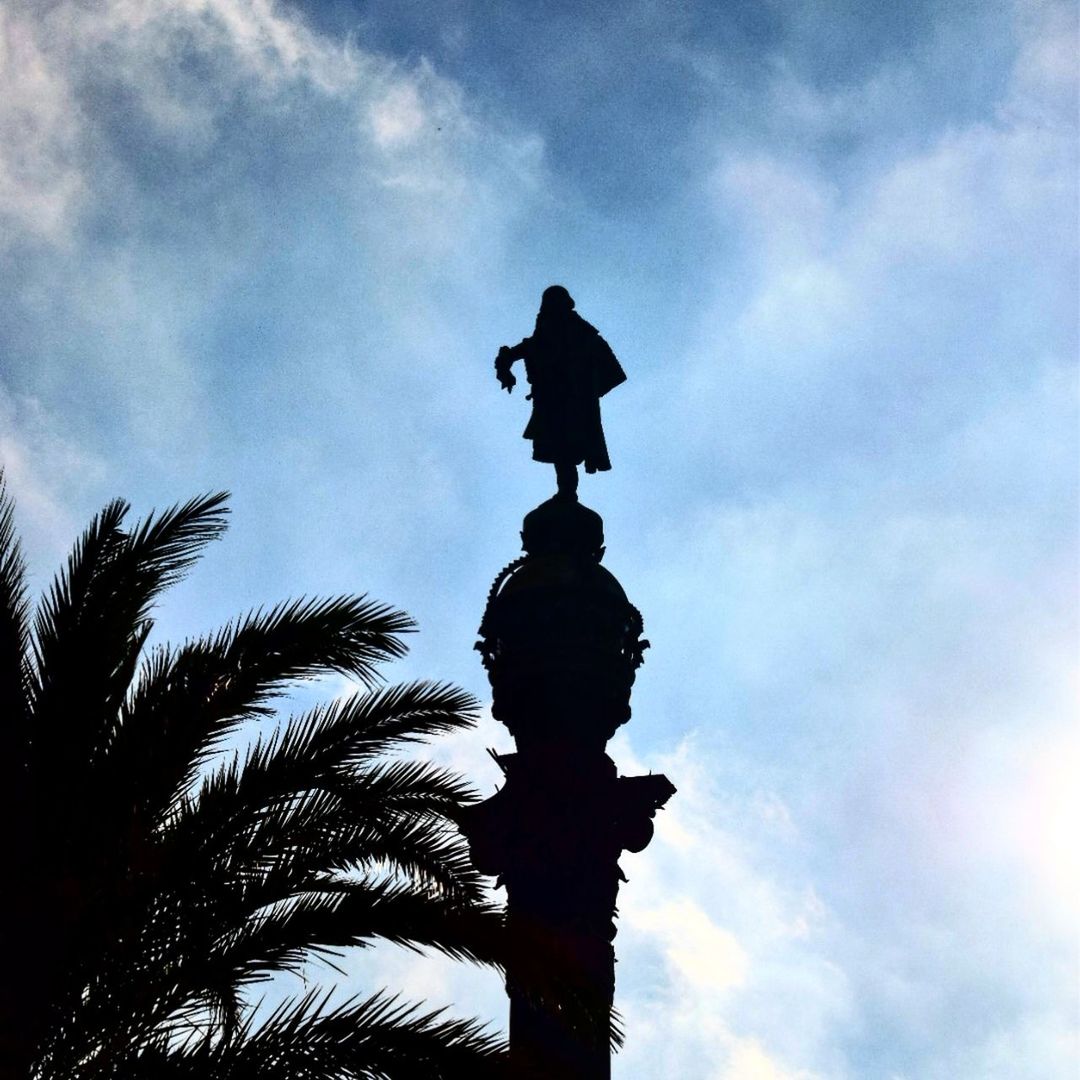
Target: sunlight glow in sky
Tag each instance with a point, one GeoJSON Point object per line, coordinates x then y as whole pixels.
{"type": "Point", "coordinates": [273, 247]}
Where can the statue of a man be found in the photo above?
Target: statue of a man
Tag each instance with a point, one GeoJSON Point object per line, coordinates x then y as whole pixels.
{"type": "Point", "coordinates": [570, 367]}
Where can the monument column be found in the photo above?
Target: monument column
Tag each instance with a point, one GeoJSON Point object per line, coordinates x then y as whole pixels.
{"type": "Point", "coordinates": [561, 644]}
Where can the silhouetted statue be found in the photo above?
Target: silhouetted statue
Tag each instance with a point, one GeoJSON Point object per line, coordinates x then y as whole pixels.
{"type": "Point", "coordinates": [570, 367]}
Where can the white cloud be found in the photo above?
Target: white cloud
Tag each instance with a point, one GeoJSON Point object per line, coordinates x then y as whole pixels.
{"type": "Point", "coordinates": [1044, 78]}
{"type": "Point", "coordinates": [838, 267]}
{"type": "Point", "coordinates": [724, 965]}
{"type": "Point", "coordinates": [398, 117]}
{"type": "Point", "coordinates": [40, 179]}
{"type": "Point", "coordinates": [748, 1061]}
{"type": "Point", "coordinates": [1016, 804]}
{"type": "Point", "coordinates": [183, 155]}
{"type": "Point", "coordinates": [705, 956]}
{"type": "Point", "coordinates": [890, 644]}
{"type": "Point", "coordinates": [55, 150]}
{"type": "Point", "coordinates": [269, 43]}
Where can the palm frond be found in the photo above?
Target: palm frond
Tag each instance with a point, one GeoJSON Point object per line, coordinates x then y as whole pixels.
{"type": "Point", "coordinates": [378, 1038]}
{"type": "Point", "coordinates": [285, 936]}
{"type": "Point", "coordinates": [256, 908]}
{"type": "Point", "coordinates": [90, 629]}
{"type": "Point", "coordinates": [14, 642]}
{"type": "Point", "coordinates": [106, 592]}
{"type": "Point", "coordinates": [329, 743]}
{"type": "Point", "coordinates": [417, 786]}
{"type": "Point", "coordinates": [71, 647]}
{"type": "Point", "coordinates": [186, 701]}
{"type": "Point", "coordinates": [162, 548]}
{"type": "Point", "coordinates": [288, 845]}
{"type": "Point", "coordinates": [210, 884]}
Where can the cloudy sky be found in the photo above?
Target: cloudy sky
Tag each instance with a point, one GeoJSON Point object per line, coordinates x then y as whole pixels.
{"type": "Point", "coordinates": [273, 247]}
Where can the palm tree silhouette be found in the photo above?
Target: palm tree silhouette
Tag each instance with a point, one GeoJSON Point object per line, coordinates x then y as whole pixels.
{"type": "Point", "coordinates": [150, 886]}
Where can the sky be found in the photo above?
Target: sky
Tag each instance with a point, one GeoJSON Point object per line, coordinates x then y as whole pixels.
{"type": "Point", "coordinates": [273, 247]}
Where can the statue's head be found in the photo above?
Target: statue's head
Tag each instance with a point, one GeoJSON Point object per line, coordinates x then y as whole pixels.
{"type": "Point", "coordinates": [556, 300]}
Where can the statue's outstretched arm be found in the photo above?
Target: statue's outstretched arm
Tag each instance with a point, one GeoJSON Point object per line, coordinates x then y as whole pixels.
{"type": "Point", "coordinates": [505, 361]}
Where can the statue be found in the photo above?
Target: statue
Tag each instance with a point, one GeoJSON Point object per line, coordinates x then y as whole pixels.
{"type": "Point", "coordinates": [570, 367]}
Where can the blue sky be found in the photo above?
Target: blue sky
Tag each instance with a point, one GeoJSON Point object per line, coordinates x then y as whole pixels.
{"type": "Point", "coordinates": [274, 248]}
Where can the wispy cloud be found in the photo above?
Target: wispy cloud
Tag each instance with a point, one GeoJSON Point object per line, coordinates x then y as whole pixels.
{"type": "Point", "coordinates": [40, 178]}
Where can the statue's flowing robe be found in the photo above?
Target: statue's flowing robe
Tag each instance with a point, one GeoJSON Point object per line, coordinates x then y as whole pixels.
{"type": "Point", "coordinates": [570, 367]}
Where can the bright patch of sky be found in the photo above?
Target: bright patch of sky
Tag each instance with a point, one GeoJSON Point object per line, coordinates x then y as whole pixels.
{"type": "Point", "coordinates": [274, 247]}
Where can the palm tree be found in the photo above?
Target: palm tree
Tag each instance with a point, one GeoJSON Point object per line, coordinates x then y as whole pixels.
{"type": "Point", "coordinates": [149, 886]}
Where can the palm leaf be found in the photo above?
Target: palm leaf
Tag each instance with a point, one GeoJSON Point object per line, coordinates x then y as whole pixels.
{"type": "Point", "coordinates": [322, 746]}
{"type": "Point", "coordinates": [286, 936]}
{"type": "Point", "coordinates": [14, 642]}
{"type": "Point", "coordinates": [95, 612]}
{"type": "Point", "coordinates": [294, 841]}
{"type": "Point", "coordinates": [378, 1038]}
{"type": "Point", "coordinates": [185, 702]}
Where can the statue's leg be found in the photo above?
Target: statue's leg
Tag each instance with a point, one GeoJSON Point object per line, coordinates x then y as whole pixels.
{"type": "Point", "coordinates": [566, 475]}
